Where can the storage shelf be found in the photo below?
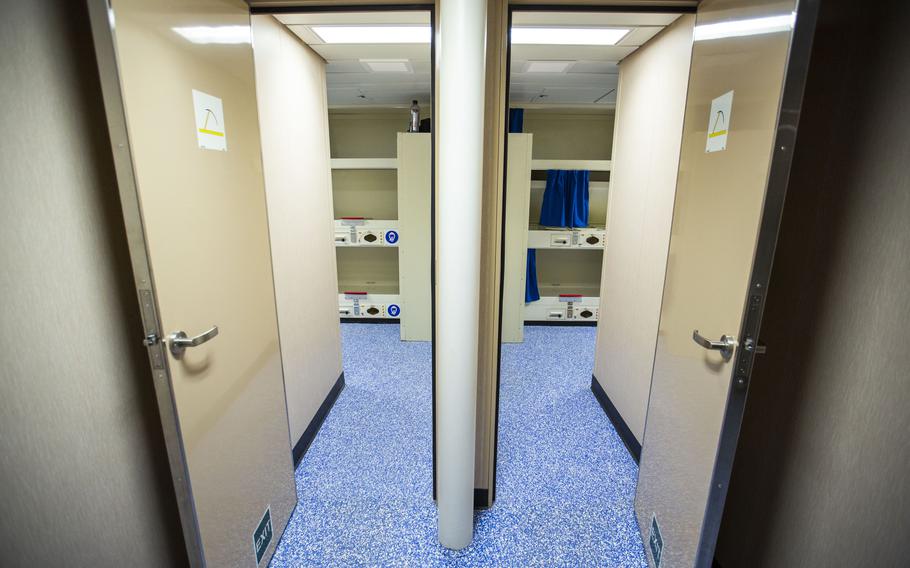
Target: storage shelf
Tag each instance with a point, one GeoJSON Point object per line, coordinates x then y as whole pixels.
{"type": "Point", "coordinates": [595, 187]}
{"type": "Point", "coordinates": [364, 163]}
{"type": "Point", "coordinates": [587, 290]}
{"type": "Point", "coordinates": [550, 308]}
{"type": "Point", "coordinates": [569, 239]}
{"type": "Point", "coordinates": [367, 233]}
{"type": "Point", "coordinates": [370, 306]}
{"type": "Point", "coordinates": [592, 165]}
{"type": "Point", "coordinates": [371, 287]}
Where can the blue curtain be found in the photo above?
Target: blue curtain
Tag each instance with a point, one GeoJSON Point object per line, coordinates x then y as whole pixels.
{"type": "Point", "coordinates": [565, 200]}
{"type": "Point", "coordinates": [516, 120]}
{"type": "Point", "coordinates": [532, 294]}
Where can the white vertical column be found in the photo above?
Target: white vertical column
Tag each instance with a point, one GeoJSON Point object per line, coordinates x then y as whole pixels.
{"type": "Point", "coordinates": [460, 123]}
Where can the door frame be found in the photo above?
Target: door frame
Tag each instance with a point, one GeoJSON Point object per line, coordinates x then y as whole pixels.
{"type": "Point", "coordinates": [795, 78]}
{"type": "Point", "coordinates": [103, 33]}
{"type": "Point", "coordinates": [431, 9]}
{"type": "Point", "coordinates": [554, 6]}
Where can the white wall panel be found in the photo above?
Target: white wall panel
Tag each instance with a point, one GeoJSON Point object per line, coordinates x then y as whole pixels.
{"type": "Point", "coordinates": [649, 117]}
{"type": "Point", "coordinates": [293, 114]}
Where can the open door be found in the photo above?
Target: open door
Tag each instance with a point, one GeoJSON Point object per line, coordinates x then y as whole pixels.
{"type": "Point", "coordinates": [180, 96]}
{"type": "Point", "coordinates": [748, 70]}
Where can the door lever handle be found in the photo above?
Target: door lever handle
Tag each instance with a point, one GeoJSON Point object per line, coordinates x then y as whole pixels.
{"type": "Point", "coordinates": [726, 345]}
{"type": "Point", "coordinates": [178, 341]}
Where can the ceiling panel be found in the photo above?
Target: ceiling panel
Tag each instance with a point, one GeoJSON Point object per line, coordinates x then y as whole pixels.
{"type": "Point", "coordinates": [341, 51]}
{"type": "Point", "coordinates": [350, 82]}
{"type": "Point", "coordinates": [352, 18]}
{"type": "Point", "coordinates": [570, 52]}
{"type": "Point", "coordinates": [591, 19]}
{"type": "Point", "coordinates": [345, 66]}
{"type": "Point", "coordinates": [640, 36]}
{"type": "Point", "coordinates": [559, 95]}
{"type": "Point", "coordinates": [593, 78]}
{"type": "Point", "coordinates": [412, 80]}
{"type": "Point", "coordinates": [594, 67]}
{"type": "Point", "coordinates": [592, 75]}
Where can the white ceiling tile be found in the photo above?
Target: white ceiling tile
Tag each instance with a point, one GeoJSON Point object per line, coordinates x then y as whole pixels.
{"type": "Point", "coordinates": [344, 66]}
{"type": "Point", "coordinates": [397, 66]}
{"type": "Point", "coordinates": [575, 52]}
{"type": "Point", "coordinates": [547, 66]}
{"type": "Point", "coordinates": [593, 76]}
{"type": "Point", "coordinates": [349, 18]}
{"type": "Point", "coordinates": [413, 52]}
{"type": "Point", "coordinates": [600, 67]}
{"type": "Point", "coordinates": [640, 36]}
{"type": "Point", "coordinates": [592, 19]}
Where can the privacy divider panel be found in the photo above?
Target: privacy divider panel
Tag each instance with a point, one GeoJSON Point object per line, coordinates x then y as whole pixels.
{"type": "Point", "coordinates": [291, 92]}
{"type": "Point", "coordinates": [649, 116]}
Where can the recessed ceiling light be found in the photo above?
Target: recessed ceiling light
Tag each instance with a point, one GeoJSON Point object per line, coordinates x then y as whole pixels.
{"type": "Point", "coordinates": [373, 34]}
{"type": "Point", "coordinates": [568, 36]}
{"type": "Point", "coordinates": [548, 66]}
{"type": "Point", "coordinates": [740, 28]}
{"type": "Point", "coordinates": [388, 65]}
{"type": "Point", "coordinates": [215, 34]}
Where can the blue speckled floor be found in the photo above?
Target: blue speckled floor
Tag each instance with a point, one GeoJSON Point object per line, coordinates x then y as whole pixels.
{"type": "Point", "coordinates": [565, 480]}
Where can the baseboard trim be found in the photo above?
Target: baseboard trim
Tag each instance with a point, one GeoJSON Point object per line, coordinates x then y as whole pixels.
{"type": "Point", "coordinates": [481, 498]}
{"type": "Point", "coordinates": [303, 444]}
{"type": "Point", "coordinates": [563, 323]}
{"type": "Point", "coordinates": [628, 438]}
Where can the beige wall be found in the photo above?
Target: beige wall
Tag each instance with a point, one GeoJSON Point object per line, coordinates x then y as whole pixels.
{"type": "Point", "coordinates": [367, 133]}
{"type": "Point", "coordinates": [290, 84]}
{"type": "Point", "coordinates": [563, 134]}
{"type": "Point", "coordinates": [568, 268]}
{"type": "Point", "coordinates": [368, 269]}
{"type": "Point", "coordinates": [649, 117]}
{"type": "Point", "coordinates": [365, 193]}
{"type": "Point", "coordinates": [85, 477]}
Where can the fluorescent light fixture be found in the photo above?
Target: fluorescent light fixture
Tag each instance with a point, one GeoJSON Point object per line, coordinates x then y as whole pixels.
{"type": "Point", "coordinates": [741, 28]}
{"type": "Point", "coordinates": [548, 66]}
{"type": "Point", "coordinates": [568, 36]}
{"type": "Point", "coordinates": [215, 34]}
{"type": "Point", "coordinates": [373, 34]}
{"type": "Point", "coordinates": [388, 65]}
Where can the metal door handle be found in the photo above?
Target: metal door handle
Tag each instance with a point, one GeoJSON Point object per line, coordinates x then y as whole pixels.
{"type": "Point", "coordinates": [178, 341]}
{"type": "Point", "coordinates": [726, 344]}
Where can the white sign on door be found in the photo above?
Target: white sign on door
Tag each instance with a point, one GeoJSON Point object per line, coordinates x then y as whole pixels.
{"type": "Point", "coordinates": [719, 122]}
{"type": "Point", "coordinates": [210, 132]}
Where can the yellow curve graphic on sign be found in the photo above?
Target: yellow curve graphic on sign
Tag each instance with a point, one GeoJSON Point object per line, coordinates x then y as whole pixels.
{"type": "Point", "coordinates": [205, 129]}
{"type": "Point", "coordinates": [714, 131]}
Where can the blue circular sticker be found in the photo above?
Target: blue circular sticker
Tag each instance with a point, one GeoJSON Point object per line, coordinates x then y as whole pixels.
{"type": "Point", "coordinates": [394, 310]}
{"type": "Point", "coordinates": [391, 237]}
